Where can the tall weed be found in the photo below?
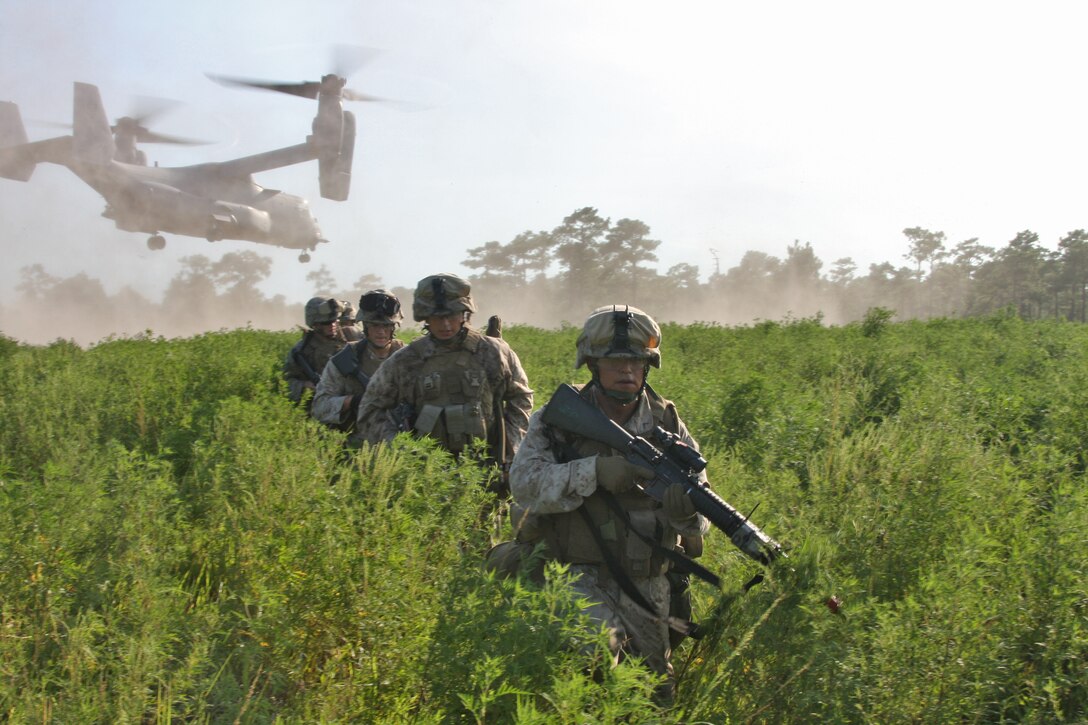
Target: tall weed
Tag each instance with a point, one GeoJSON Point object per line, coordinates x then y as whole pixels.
{"type": "Point", "coordinates": [178, 543]}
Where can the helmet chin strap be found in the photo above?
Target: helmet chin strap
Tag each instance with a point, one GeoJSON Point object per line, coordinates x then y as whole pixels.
{"type": "Point", "coordinates": [617, 395]}
{"type": "Point", "coordinates": [625, 398]}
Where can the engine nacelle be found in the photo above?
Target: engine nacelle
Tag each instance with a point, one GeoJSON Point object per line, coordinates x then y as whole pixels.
{"type": "Point", "coordinates": [334, 164]}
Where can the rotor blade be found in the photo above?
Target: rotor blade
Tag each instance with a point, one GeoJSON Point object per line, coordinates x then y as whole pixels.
{"type": "Point", "coordinates": [306, 89]}
{"type": "Point", "coordinates": [346, 59]}
{"type": "Point", "coordinates": [350, 95]}
{"type": "Point", "coordinates": [146, 136]}
{"type": "Point", "coordinates": [145, 108]}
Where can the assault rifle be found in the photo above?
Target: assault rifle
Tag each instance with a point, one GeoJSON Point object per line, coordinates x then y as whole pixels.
{"type": "Point", "coordinates": [494, 326]}
{"type": "Point", "coordinates": [404, 416]}
{"type": "Point", "coordinates": [346, 361]}
{"type": "Point", "coordinates": [300, 361]}
{"type": "Point", "coordinates": [674, 462]}
{"type": "Point", "coordinates": [497, 440]}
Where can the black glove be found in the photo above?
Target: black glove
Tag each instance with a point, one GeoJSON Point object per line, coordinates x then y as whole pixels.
{"type": "Point", "coordinates": [616, 474]}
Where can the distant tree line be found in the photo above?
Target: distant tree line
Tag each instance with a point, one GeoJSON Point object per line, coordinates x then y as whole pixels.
{"type": "Point", "coordinates": [547, 278]}
{"type": "Point", "coordinates": [589, 259]}
{"type": "Point", "coordinates": [205, 295]}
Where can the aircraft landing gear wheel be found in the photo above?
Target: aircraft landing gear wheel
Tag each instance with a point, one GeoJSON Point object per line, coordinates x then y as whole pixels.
{"type": "Point", "coordinates": [156, 242]}
{"type": "Point", "coordinates": [304, 257]}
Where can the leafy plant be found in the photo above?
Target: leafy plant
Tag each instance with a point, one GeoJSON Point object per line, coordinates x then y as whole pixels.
{"type": "Point", "coordinates": [180, 543]}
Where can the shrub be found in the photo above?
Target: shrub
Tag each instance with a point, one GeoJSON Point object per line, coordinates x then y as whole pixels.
{"type": "Point", "coordinates": [180, 543]}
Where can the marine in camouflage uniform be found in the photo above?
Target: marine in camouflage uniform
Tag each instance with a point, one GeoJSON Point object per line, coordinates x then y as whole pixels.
{"type": "Point", "coordinates": [453, 384]}
{"type": "Point", "coordinates": [348, 372]}
{"type": "Point", "coordinates": [350, 329]}
{"type": "Point", "coordinates": [304, 363]}
{"type": "Point", "coordinates": [562, 484]}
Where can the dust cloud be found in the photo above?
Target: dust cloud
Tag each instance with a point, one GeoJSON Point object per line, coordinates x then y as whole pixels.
{"type": "Point", "coordinates": [213, 295]}
{"type": "Point", "coordinates": [80, 312]}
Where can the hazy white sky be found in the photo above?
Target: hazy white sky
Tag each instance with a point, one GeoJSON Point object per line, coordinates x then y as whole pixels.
{"type": "Point", "coordinates": [722, 125]}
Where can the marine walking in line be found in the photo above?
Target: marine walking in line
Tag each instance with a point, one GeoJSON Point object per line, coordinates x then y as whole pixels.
{"type": "Point", "coordinates": [453, 384]}
{"type": "Point", "coordinates": [321, 340]}
{"type": "Point", "coordinates": [350, 329]}
{"type": "Point", "coordinates": [348, 372]}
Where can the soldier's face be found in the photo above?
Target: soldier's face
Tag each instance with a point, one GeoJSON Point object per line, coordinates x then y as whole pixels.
{"type": "Point", "coordinates": [621, 374]}
{"type": "Point", "coordinates": [379, 335]}
{"type": "Point", "coordinates": [328, 329]}
{"type": "Point", "coordinates": [444, 327]}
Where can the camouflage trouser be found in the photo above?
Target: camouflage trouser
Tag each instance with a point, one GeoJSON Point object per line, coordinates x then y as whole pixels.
{"type": "Point", "coordinates": [632, 629]}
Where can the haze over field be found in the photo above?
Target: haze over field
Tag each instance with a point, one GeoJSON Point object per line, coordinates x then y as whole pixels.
{"type": "Point", "coordinates": [724, 127]}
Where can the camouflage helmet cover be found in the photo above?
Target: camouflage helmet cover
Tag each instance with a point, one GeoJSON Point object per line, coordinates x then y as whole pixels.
{"type": "Point", "coordinates": [322, 310]}
{"type": "Point", "coordinates": [379, 307]}
{"type": "Point", "coordinates": [441, 294]}
{"type": "Point", "coordinates": [619, 331]}
{"type": "Point", "coordinates": [347, 312]}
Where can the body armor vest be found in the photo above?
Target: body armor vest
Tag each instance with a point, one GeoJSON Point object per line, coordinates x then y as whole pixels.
{"type": "Point", "coordinates": [455, 400]}
{"type": "Point", "coordinates": [317, 350]}
{"type": "Point", "coordinates": [567, 535]}
{"type": "Point", "coordinates": [358, 366]}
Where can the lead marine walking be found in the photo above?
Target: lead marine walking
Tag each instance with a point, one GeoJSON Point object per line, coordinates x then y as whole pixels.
{"type": "Point", "coordinates": [580, 498]}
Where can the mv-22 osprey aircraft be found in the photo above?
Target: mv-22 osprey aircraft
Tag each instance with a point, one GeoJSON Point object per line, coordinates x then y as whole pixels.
{"type": "Point", "coordinates": [213, 200]}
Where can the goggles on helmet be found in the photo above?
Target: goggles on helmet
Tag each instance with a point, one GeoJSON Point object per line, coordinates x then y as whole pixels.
{"type": "Point", "coordinates": [383, 305]}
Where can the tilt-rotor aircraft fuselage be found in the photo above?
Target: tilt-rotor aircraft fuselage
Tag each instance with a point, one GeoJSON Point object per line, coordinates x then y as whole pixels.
{"type": "Point", "coordinates": [213, 201]}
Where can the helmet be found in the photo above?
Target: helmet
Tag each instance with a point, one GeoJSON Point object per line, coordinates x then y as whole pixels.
{"type": "Point", "coordinates": [380, 307]}
{"type": "Point", "coordinates": [322, 310]}
{"type": "Point", "coordinates": [619, 331]}
{"type": "Point", "coordinates": [347, 312]}
{"type": "Point", "coordinates": [441, 294]}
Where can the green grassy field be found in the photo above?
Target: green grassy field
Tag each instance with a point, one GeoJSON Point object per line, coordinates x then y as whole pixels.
{"type": "Point", "coordinates": [178, 544]}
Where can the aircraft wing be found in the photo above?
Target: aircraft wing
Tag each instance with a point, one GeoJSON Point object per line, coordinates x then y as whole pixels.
{"type": "Point", "coordinates": [247, 165]}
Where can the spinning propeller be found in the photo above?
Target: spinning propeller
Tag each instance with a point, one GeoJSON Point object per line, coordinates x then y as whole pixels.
{"type": "Point", "coordinates": [133, 128]}
{"type": "Point", "coordinates": [346, 60]}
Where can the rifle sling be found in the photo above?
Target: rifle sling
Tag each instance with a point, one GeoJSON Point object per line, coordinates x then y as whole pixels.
{"type": "Point", "coordinates": [684, 627]}
{"type": "Point", "coordinates": [683, 563]}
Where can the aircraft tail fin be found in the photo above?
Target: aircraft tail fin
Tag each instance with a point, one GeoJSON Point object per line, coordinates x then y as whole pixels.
{"type": "Point", "coordinates": [92, 137]}
{"type": "Point", "coordinates": [13, 165]}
